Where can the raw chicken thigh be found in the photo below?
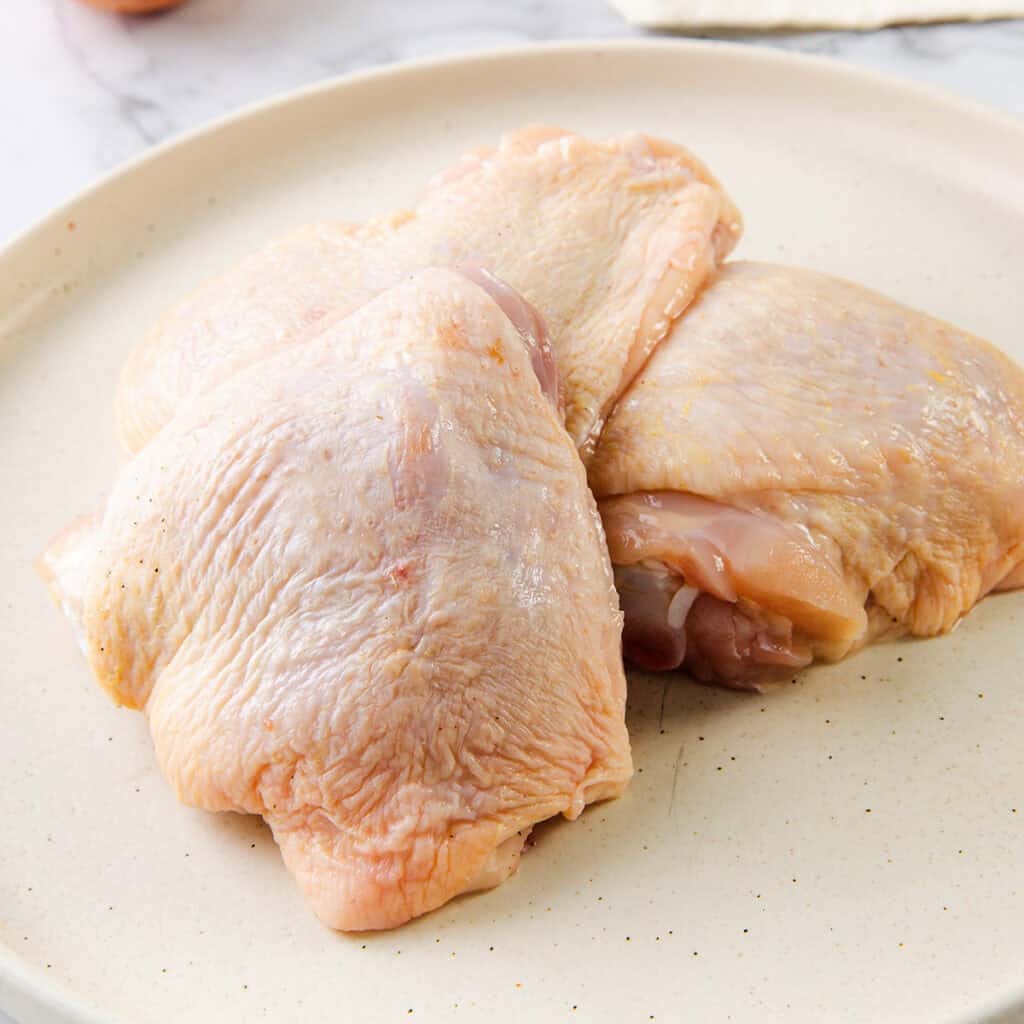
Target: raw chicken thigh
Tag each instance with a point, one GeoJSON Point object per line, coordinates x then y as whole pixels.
{"type": "Point", "coordinates": [609, 241]}
{"type": "Point", "coordinates": [360, 588]}
{"type": "Point", "coordinates": [804, 466]}
{"type": "Point", "coordinates": [353, 574]}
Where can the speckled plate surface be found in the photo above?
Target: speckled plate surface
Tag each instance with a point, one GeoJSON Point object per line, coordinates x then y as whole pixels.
{"type": "Point", "coordinates": [848, 847]}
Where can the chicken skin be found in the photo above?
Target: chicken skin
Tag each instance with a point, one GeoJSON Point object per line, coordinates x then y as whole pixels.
{"type": "Point", "coordinates": [804, 466]}
{"type": "Point", "coordinates": [610, 241]}
{"type": "Point", "coordinates": [360, 588]}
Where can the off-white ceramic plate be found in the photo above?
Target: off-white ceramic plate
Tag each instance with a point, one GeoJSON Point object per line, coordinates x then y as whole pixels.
{"type": "Point", "coordinates": [848, 847]}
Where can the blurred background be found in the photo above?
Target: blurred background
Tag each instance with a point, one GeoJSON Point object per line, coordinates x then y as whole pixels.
{"type": "Point", "coordinates": [82, 90]}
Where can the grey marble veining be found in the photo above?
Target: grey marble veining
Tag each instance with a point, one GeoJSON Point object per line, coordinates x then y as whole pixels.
{"type": "Point", "coordinates": [81, 91]}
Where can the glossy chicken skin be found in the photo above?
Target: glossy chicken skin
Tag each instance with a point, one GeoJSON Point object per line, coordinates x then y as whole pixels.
{"type": "Point", "coordinates": [361, 589]}
{"type": "Point", "coordinates": [818, 466]}
{"type": "Point", "coordinates": [609, 240]}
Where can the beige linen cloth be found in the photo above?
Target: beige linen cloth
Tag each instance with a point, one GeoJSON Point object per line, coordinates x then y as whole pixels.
{"type": "Point", "coordinates": [848, 14]}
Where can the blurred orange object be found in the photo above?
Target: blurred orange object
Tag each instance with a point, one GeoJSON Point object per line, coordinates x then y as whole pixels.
{"type": "Point", "coordinates": [133, 6]}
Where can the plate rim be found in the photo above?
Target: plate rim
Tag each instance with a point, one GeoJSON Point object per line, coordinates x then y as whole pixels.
{"type": "Point", "coordinates": [54, 1000]}
{"type": "Point", "coordinates": [837, 67]}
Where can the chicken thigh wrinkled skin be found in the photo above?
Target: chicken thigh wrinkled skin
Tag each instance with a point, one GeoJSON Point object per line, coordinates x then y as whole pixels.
{"type": "Point", "coordinates": [610, 241]}
{"type": "Point", "coordinates": [361, 589]}
{"type": "Point", "coordinates": [804, 466]}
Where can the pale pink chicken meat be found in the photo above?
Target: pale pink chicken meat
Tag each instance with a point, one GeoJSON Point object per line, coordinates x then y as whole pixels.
{"type": "Point", "coordinates": [360, 588]}
{"type": "Point", "coordinates": [803, 466]}
{"type": "Point", "coordinates": [610, 241]}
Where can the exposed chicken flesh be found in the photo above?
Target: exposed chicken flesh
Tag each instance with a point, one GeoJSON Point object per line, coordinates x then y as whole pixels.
{"type": "Point", "coordinates": [361, 589]}
{"type": "Point", "coordinates": [609, 240]}
{"type": "Point", "coordinates": [824, 465]}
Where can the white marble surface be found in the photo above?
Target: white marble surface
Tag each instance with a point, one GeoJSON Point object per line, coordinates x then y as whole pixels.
{"type": "Point", "coordinates": [80, 91]}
